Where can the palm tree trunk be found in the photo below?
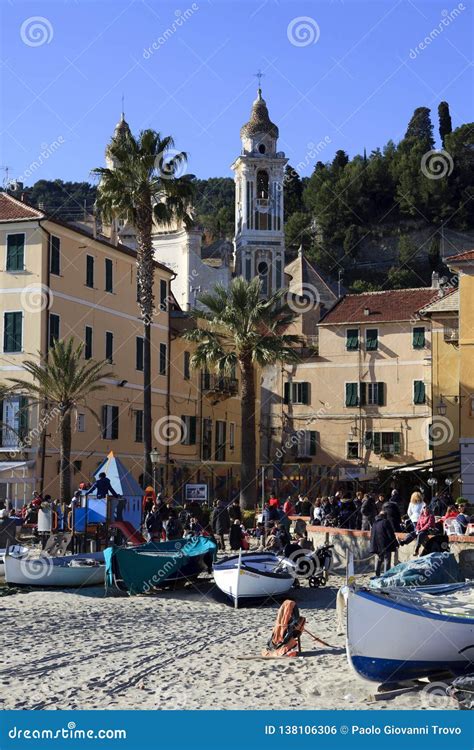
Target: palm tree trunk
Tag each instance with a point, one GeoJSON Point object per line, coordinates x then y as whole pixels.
{"type": "Point", "coordinates": [248, 487]}
{"type": "Point", "coordinates": [65, 456]}
{"type": "Point", "coordinates": [145, 278]}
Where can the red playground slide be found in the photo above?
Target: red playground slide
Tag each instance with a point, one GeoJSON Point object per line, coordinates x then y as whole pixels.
{"type": "Point", "coordinates": [130, 534]}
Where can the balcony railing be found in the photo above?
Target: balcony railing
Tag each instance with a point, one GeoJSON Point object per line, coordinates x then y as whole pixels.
{"type": "Point", "coordinates": [218, 384]}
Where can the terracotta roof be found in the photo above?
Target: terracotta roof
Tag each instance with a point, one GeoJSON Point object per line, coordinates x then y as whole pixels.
{"type": "Point", "coordinates": [384, 307]}
{"type": "Point", "coordinates": [468, 255]}
{"type": "Point", "coordinates": [11, 209]}
{"type": "Point", "coordinates": [448, 303]}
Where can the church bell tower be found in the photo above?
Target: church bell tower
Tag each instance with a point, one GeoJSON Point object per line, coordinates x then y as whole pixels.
{"type": "Point", "coordinates": [259, 174]}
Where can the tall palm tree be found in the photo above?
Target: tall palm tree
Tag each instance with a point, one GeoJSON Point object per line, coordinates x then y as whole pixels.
{"type": "Point", "coordinates": [145, 188]}
{"type": "Point", "coordinates": [242, 329]}
{"type": "Point", "coordinates": [64, 381]}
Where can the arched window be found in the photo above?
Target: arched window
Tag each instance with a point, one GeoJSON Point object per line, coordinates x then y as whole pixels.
{"type": "Point", "coordinates": [262, 183]}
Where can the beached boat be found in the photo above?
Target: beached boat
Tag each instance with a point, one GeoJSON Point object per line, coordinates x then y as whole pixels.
{"type": "Point", "coordinates": [71, 571]}
{"type": "Point", "coordinates": [151, 566]}
{"type": "Point", "coordinates": [253, 576]}
{"type": "Point", "coordinates": [15, 549]}
{"type": "Point", "coordinates": [401, 634]}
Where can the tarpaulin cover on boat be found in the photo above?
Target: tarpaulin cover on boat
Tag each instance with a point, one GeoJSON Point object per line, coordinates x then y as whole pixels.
{"type": "Point", "coordinates": [150, 565]}
{"type": "Point", "coordinates": [430, 570]}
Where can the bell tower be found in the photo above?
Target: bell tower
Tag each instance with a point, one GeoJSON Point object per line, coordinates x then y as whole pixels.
{"type": "Point", "coordinates": [259, 172]}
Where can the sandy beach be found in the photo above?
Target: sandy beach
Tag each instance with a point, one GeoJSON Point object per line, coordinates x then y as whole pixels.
{"type": "Point", "coordinates": [84, 650]}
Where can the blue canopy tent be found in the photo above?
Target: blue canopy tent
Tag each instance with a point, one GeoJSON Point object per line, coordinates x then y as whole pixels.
{"type": "Point", "coordinates": [124, 484]}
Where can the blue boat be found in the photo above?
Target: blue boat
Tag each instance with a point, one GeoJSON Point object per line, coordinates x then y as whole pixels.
{"type": "Point", "coordinates": [149, 567]}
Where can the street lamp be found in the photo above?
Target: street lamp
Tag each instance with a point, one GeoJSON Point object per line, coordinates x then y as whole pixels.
{"type": "Point", "coordinates": [155, 460]}
{"type": "Point", "coordinates": [432, 481]}
{"type": "Point", "coordinates": [441, 408]}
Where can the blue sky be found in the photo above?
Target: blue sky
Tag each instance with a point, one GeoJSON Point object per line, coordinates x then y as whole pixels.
{"type": "Point", "coordinates": [348, 74]}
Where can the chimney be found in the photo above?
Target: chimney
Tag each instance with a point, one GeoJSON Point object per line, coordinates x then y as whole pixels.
{"type": "Point", "coordinates": [435, 280]}
{"type": "Point", "coordinates": [300, 251]}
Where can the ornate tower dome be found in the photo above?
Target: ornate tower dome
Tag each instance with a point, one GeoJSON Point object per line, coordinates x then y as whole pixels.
{"type": "Point", "coordinates": [259, 120]}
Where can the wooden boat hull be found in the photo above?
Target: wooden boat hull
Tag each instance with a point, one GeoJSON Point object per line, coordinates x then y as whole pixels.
{"type": "Point", "coordinates": [391, 640]}
{"type": "Point", "coordinates": [257, 577]}
{"type": "Point", "coordinates": [63, 572]}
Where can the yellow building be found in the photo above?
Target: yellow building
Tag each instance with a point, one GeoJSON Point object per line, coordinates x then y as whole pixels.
{"type": "Point", "coordinates": [463, 265]}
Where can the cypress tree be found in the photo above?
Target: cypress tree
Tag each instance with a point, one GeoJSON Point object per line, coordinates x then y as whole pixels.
{"type": "Point", "coordinates": [445, 124]}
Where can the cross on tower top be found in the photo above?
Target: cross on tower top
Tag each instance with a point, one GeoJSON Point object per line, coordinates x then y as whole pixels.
{"type": "Point", "coordinates": [259, 75]}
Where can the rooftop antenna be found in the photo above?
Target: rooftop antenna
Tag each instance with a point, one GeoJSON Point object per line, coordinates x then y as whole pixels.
{"type": "Point", "coordinates": [6, 179]}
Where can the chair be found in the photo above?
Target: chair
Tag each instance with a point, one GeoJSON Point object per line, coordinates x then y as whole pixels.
{"type": "Point", "coordinates": [451, 526]}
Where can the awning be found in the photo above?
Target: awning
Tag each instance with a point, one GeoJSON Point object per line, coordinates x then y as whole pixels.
{"type": "Point", "coordinates": [14, 465]}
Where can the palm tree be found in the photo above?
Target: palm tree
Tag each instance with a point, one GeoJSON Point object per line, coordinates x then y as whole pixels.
{"type": "Point", "coordinates": [242, 329]}
{"type": "Point", "coordinates": [144, 189]}
{"type": "Point", "coordinates": [64, 381]}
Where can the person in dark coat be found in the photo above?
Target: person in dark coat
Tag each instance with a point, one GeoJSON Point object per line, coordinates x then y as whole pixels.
{"type": "Point", "coordinates": [154, 524]}
{"type": "Point", "coordinates": [235, 535]}
{"type": "Point", "coordinates": [392, 511]}
{"type": "Point", "coordinates": [383, 542]}
{"type": "Point", "coordinates": [220, 522]}
{"type": "Point", "coordinates": [103, 487]}
{"type": "Point", "coordinates": [368, 511]}
{"type": "Point", "coordinates": [235, 512]}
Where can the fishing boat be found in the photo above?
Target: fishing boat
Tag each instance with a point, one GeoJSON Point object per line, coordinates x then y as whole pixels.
{"type": "Point", "coordinates": [142, 569]}
{"type": "Point", "coordinates": [401, 634]}
{"type": "Point", "coordinates": [71, 571]}
{"type": "Point", "coordinates": [253, 576]}
{"type": "Point", "coordinates": [15, 549]}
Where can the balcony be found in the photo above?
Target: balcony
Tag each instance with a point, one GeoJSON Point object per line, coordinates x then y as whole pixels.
{"type": "Point", "coordinates": [218, 384]}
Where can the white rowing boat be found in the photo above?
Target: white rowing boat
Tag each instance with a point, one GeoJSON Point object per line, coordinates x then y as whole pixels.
{"type": "Point", "coordinates": [70, 571]}
{"type": "Point", "coordinates": [255, 575]}
{"type": "Point", "coordinates": [15, 549]}
{"type": "Point", "coordinates": [401, 634]}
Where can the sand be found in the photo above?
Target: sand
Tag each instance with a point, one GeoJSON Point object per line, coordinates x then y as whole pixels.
{"type": "Point", "coordinates": [83, 650]}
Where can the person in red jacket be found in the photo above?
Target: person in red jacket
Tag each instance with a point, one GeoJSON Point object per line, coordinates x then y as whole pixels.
{"type": "Point", "coordinates": [424, 525]}
{"type": "Point", "coordinates": [288, 507]}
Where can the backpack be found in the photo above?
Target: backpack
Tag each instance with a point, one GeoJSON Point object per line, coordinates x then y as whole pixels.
{"type": "Point", "coordinates": [289, 625]}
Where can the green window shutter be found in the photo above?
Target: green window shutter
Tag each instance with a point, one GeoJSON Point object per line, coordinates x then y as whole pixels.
{"type": "Point", "coordinates": [351, 394]}
{"type": "Point", "coordinates": [15, 252]}
{"type": "Point", "coordinates": [352, 339]}
{"type": "Point", "coordinates": [419, 338]}
{"type": "Point", "coordinates": [368, 440]}
{"type": "Point", "coordinates": [139, 353]}
{"type": "Point", "coordinates": [377, 442]}
{"type": "Point", "coordinates": [23, 417]}
{"type": "Point", "coordinates": [55, 255]}
{"type": "Point", "coordinates": [104, 421]}
{"type": "Point", "coordinates": [89, 271]}
{"type": "Point", "coordinates": [305, 393]}
{"type": "Point", "coordinates": [419, 392]}
{"type": "Point", "coordinates": [371, 339]}
{"type": "Point", "coordinates": [286, 396]}
{"type": "Point", "coordinates": [163, 294]}
{"type": "Point", "coordinates": [381, 394]}
{"type": "Point", "coordinates": [139, 426]}
{"type": "Point", "coordinates": [53, 328]}
{"type": "Point", "coordinates": [397, 442]}
{"type": "Point", "coordinates": [312, 442]}
{"type": "Point", "coordinates": [115, 422]}
{"type": "Point", "coordinates": [12, 333]}
{"type": "Point", "coordinates": [363, 394]}
{"type": "Point", "coordinates": [192, 431]}
{"type": "Point", "coordinates": [88, 343]}
{"type": "Point", "coordinates": [109, 278]}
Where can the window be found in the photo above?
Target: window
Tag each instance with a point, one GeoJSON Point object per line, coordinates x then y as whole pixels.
{"type": "Point", "coordinates": [352, 394]}
{"type": "Point", "coordinates": [12, 331]}
{"type": "Point", "coordinates": [375, 393]}
{"type": "Point", "coordinates": [296, 393]}
{"type": "Point", "coordinates": [13, 421]}
{"type": "Point", "coordinates": [139, 353]}
{"type": "Point", "coordinates": [139, 426]}
{"type": "Point", "coordinates": [109, 276]}
{"type": "Point", "coordinates": [419, 394]}
{"type": "Point", "coordinates": [220, 440]}
{"type": "Point", "coordinates": [187, 365]}
{"type": "Point", "coordinates": [15, 252]}
{"type": "Point", "coordinates": [306, 443]}
{"type": "Point", "coordinates": [55, 255]}
{"type": "Point", "coordinates": [352, 339]}
{"type": "Point", "coordinates": [232, 436]}
{"type": "Point", "coordinates": [109, 346]}
{"type": "Point", "coordinates": [248, 268]}
{"type": "Point", "coordinates": [419, 338]}
{"type": "Point", "coordinates": [53, 328]}
{"type": "Point", "coordinates": [383, 442]}
{"type": "Point", "coordinates": [88, 343]}
{"type": "Point", "coordinates": [206, 439]}
{"type": "Point", "coordinates": [371, 339]}
{"type": "Point", "coordinates": [188, 436]}
{"type": "Point", "coordinates": [352, 450]}
{"type": "Point", "coordinates": [81, 422]}
{"type": "Point", "coordinates": [110, 422]}
{"type": "Point", "coordinates": [163, 294]}
{"type": "Point", "coordinates": [162, 362]}
{"type": "Point", "coordinates": [90, 271]}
